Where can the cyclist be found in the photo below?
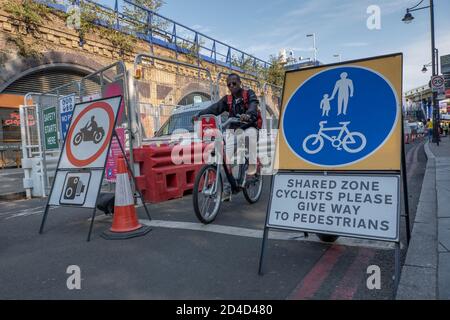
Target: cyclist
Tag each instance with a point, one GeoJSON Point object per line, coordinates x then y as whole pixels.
{"type": "Point", "coordinates": [247, 109]}
{"type": "Point", "coordinates": [430, 129]}
{"type": "Point", "coordinates": [243, 102]}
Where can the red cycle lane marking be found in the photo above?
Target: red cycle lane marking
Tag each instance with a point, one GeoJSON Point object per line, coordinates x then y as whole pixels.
{"type": "Point", "coordinates": [314, 279]}
{"type": "Point", "coordinates": [349, 284]}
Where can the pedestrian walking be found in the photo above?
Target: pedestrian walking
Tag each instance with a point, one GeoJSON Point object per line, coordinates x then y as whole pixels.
{"type": "Point", "coordinates": [430, 130]}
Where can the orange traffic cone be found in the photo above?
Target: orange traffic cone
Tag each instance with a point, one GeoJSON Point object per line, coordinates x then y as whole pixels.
{"type": "Point", "coordinates": [125, 222]}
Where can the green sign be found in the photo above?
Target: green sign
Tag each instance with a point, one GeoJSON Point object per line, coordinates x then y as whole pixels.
{"type": "Point", "coordinates": [50, 129]}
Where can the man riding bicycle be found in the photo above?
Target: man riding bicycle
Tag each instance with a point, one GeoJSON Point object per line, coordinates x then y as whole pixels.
{"type": "Point", "coordinates": [242, 103]}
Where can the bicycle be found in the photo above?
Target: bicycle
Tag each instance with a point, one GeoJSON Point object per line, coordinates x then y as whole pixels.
{"type": "Point", "coordinates": [209, 181]}
{"type": "Point", "coordinates": [345, 139]}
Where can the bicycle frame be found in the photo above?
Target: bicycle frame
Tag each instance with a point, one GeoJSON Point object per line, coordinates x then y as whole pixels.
{"type": "Point", "coordinates": [342, 129]}
{"type": "Point", "coordinates": [220, 151]}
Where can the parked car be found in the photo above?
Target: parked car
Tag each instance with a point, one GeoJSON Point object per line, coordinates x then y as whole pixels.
{"type": "Point", "coordinates": [179, 120]}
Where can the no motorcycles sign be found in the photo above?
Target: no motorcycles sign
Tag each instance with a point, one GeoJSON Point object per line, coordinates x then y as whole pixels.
{"type": "Point", "coordinates": [81, 166]}
{"type": "Point", "coordinates": [89, 135]}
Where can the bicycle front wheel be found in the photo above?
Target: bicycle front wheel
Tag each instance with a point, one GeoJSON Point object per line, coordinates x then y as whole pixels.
{"type": "Point", "coordinates": [207, 194]}
{"type": "Point", "coordinates": [253, 187]}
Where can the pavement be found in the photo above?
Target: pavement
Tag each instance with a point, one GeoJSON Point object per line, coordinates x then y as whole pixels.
{"type": "Point", "coordinates": [11, 186]}
{"type": "Point", "coordinates": [426, 272]}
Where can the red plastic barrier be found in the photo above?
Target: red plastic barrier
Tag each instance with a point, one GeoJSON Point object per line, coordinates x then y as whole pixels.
{"type": "Point", "coordinates": [161, 179]}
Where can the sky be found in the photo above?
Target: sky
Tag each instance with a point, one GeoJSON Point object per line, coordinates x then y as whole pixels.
{"type": "Point", "coordinates": [262, 28]}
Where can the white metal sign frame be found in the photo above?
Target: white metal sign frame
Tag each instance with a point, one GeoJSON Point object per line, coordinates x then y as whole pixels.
{"type": "Point", "coordinates": [401, 173]}
{"type": "Point", "coordinates": [76, 181]}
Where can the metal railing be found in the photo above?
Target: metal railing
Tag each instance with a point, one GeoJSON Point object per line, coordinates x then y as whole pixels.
{"type": "Point", "coordinates": [134, 94]}
{"type": "Point", "coordinates": [156, 29]}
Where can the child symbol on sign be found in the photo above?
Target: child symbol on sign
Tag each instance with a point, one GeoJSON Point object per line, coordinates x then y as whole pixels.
{"type": "Point", "coordinates": [325, 105]}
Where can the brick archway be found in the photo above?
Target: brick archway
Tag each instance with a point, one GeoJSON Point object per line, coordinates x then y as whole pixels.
{"type": "Point", "coordinates": [16, 68]}
{"type": "Point", "coordinates": [194, 87]}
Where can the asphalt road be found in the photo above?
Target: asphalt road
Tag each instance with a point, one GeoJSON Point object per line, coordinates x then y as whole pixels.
{"type": "Point", "coordinates": [183, 259]}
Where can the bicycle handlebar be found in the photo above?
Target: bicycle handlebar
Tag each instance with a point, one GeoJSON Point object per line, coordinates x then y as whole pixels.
{"type": "Point", "coordinates": [231, 120]}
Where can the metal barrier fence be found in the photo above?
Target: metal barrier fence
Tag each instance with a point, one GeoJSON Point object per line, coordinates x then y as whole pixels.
{"type": "Point", "coordinates": [50, 114]}
{"type": "Point", "coordinates": [132, 18]}
{"type": "Point", "coordinates": [155, 91]}
{"type": "Point", "coordinates": [161, 86]}
{"type": "Point", "coordinates": [271, 99]}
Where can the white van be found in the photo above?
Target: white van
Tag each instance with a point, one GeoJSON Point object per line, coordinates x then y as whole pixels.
{"type": "Point", "coordinates": [179, 120]}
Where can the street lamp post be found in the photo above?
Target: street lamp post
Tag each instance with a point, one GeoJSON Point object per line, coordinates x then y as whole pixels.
{"type": "Point", "coordinates": [314, 45]}
{"type": "Point", "coordinates": [407, 19]}
{"type": "Point", "coordinates": [338, 55]}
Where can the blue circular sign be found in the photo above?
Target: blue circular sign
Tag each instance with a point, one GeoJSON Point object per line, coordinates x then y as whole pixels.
{"type": "Point", "coordinates": [340, 116]}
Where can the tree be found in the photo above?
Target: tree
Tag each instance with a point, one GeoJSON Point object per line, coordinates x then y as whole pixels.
{"type": "Point", "coordinates": [246, 64]}
{"type": "Point", "coordinates": [275, 73]}
{"type": "Point", "coordinates": [139, 14]}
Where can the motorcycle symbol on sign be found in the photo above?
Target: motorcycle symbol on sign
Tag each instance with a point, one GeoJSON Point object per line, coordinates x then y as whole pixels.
{"type": "Point", "coordinates": [90, 132]}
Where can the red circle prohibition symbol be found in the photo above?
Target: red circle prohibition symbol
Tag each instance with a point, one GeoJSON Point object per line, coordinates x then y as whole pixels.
{"type": "Point", "coordinates": [437, 82]}
{"type": "Point", "coordinates": [82, 163]}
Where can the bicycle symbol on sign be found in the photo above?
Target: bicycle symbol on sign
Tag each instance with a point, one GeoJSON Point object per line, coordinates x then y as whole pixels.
{"type": "Point", "coordinates": [352, 142]}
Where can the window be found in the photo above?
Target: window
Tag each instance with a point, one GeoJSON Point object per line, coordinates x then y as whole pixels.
{"type": "Point", "coordinates": [194, 98]}
{"type": "Point", "coordinates": [9, 125]}
{"type": "Point", "coordinates": [177, 122]}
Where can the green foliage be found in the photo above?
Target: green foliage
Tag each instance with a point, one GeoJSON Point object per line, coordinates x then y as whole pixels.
{"type": "Point", "coordinates": [275, 73]}
{"type": "Point", "coordinates": [140, 14]}
{"type": "Point", "coordinates": [121, 41]}
{"type": "Point", "coordinates": [90, 14]}
{"type": "Point", "coordinates": [193, 48]}
{"type": "Point", "coordinates": [27, 11]}
{"type": "Point", "coordinates": [247, 64]}
{"type": "Point", "coordinates": [24, 50]}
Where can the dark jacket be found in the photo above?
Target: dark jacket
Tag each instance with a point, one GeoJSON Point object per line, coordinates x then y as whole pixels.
{"type": "Point", "coordinates": [237, 108]}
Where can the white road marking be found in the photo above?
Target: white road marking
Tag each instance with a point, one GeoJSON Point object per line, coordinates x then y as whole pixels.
{"type": "Point", "coordinates": [27, 212]}
{"type": "Point", "coordinates": [233, 231]}
{"type": "Point", "coordinates": [273, 235]}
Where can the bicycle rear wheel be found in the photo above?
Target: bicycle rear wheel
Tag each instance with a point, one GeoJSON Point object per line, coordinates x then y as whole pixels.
{"type": "Point", "coordinates": [207, 194]}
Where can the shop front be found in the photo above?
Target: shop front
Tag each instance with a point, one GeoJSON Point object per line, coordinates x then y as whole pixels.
{"type": "Point", "coordinates": [10, 138]}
